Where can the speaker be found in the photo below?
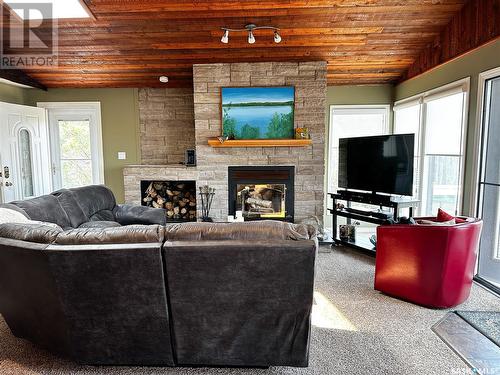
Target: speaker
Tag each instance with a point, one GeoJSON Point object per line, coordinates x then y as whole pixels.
{"type": "Point", "coordinates": [190, 157]}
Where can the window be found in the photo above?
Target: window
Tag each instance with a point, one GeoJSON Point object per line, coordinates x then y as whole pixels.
{"type": "Point", "coordinates": [437, 118]}
{"type": "Point", "coordinates": [25, 161]}
{"type": "Point", "coordinates": [76, 144]}
{"type": "Point", "coordinates": [352, 121]}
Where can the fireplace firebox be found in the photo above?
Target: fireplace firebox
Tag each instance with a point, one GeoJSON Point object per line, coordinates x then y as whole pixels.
{"type": "Point", "coordinates": [262, 192]}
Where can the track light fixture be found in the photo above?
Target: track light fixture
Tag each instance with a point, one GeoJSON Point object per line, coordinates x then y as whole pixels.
{"type": "Point", "coordinates": [250, 29]}
{"type": "Point", "coordinates": [225, 37]}
{"type": "Point", "coordinates": [251, 38]}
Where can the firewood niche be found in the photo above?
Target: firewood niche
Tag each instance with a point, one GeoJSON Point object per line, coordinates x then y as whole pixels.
{"type": "Point", "coordinates": [178, 198]}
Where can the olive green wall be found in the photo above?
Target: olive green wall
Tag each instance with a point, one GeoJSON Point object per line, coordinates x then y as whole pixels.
{"type": "Point", "coordinates": [120, 125]}
{"type": "Point", "coordinates": [12, 94]}
{"type": "Point", "coordinates": [469, 65]}
{"type": "Point", "coordinates": [359, 95]}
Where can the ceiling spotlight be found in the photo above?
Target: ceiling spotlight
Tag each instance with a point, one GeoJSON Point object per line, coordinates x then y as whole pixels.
{"type": "Point", "coordinates": [163, 79]}
{"type": "Point", "coordinates": [251, 38]}
{"type": "Point", "coordinates": [225, 37]}
{"type": "Point", "coordinates": [277, 37]}
{"type": "Point", "coordinates": [250, 28]}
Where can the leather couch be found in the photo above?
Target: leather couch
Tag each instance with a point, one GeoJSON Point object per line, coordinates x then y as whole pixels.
{"type": "Point", "coordinates": [431, 265]}
{"type": "Point", "coordinates": [116, 286]}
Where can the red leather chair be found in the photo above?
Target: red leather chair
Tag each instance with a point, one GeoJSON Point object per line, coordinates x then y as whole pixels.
{"type": "Point", "coordinates": [429, 265]}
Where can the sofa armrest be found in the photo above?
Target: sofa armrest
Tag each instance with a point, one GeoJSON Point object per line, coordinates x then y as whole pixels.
{"type": "Point", "coordinates": [127, 214]}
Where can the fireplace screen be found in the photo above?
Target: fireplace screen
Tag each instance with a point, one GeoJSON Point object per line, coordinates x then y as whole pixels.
{"type": "Point", "coordinates": [261, 201]}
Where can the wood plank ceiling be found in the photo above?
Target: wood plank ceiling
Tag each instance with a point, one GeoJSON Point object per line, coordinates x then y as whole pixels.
{"type": "Point", "coordinates": [131, 43]}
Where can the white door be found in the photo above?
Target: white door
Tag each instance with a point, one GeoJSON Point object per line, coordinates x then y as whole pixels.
{"type": "Point", "coordinates": [24, 152]}
{"type": "Point", "coordinates": [76, 143]}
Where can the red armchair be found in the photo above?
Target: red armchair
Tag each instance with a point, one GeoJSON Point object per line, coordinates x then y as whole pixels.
{"type": "Point", "coordinates": [429, 265]}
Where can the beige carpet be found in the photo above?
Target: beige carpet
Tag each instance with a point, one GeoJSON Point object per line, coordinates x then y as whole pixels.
{"type": "Point", "coordinates": [356, 331]}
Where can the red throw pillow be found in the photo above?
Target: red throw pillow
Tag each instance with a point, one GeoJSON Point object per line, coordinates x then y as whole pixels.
{"type": "Point", "coordinates": [445, 216]}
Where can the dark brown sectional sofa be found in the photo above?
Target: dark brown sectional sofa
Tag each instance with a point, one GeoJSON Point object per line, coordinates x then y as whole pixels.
{"type": "Point", "coordinates": [116, 286]}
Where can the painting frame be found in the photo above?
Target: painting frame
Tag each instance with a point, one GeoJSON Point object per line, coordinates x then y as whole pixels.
{"type": "Point", "coordinates": [289, 133]}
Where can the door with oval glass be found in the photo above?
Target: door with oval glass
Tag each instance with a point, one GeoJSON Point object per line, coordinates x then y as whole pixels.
{"type": "Point", "coordinates": [24, 152]}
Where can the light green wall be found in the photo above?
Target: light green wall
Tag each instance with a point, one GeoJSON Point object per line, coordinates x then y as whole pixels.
{"type": "Point", "coordinates": [120, 125]}
{"type": "Point", "coordinates": [12, 94]}
{"type": "Point", "coordinates": [359, 95]}
{"type": "Point", "coordinates": [469, 65]}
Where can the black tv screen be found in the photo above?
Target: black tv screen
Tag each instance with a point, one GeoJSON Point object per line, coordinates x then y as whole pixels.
{"type": "Point", "coordinates": [382, 164]}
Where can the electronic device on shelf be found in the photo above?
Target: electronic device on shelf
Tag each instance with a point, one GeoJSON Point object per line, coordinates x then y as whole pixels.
{"type": "Point", "coordinates": [382, 164]}
{"type": "Point", "coordinates": [377, 214]}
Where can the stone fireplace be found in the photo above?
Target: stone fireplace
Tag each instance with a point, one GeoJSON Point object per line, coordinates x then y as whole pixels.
{"type": "Point", "coordinates": [262, 192]}
{"type": "Point", "coordinates": [309, 80]}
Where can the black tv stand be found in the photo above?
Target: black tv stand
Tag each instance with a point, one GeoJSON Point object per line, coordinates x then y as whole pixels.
{"type": "Point", "coordinates": [394, 203]}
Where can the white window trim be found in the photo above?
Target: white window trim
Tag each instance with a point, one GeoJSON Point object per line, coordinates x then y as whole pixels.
{"type": "Point", "coordinates": [478, 137]}
{"type": "Point", "coordinates": [462, 85]}
{"type": "Point", "coordinates": [96, 138]}
{"type": "Point", "coordinates": [386, 108]}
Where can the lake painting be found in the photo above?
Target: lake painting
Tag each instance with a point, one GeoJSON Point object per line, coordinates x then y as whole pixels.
{"type": "Point", "coordinates": [258, 112]}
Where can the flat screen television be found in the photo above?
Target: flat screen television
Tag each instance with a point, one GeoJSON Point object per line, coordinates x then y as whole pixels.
{"type": "Point", "coordinates": [381, 164]}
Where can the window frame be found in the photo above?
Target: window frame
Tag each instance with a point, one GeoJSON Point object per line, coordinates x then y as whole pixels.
{"type": "Point", "coordinates": [462, 85]}
{"type": "Point", "coordinates": [75, 111]}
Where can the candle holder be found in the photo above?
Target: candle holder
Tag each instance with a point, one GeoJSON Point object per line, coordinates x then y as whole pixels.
{"type": "Point", "coordinates": [207, 195]}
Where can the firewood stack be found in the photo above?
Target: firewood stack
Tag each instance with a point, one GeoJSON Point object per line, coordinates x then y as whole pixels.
{"type": "Point", "coordinates": [177, 198]}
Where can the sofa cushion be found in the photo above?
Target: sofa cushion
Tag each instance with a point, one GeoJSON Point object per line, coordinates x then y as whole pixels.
{"type": "Point", "coordinates": [126, 234]}
{"type": "Point", "coordinates": [30, 232]}
{"type": "Point", "coordinates": [96, 201]}
{"type": "Point", "coordinates": [253, 230]}
{"type": "Point", "coordinates": [45, 208]}
{"type": "Point", "coordinates": [70, 204]}
{"type": "Point", "coordinates": [100, 224]}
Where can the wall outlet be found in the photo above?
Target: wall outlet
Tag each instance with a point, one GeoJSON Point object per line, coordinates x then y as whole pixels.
{"type": "Point", "coordinates": [122, 155]}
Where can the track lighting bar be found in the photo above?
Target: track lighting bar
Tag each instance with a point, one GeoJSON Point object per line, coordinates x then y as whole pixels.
{"type": "Point", "coordinates": [250, 28]}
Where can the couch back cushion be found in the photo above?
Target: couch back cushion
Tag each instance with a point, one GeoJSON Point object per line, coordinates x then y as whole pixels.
{"type": "Point", "coordinates": [96, 201]}
{"type": "Point", "coordinates": [45, 208]}
{"type": "Point", "coordinates": [112, 235]}
{"type": "Point", "coordinates": [70, 204]}
{"type": "Point", "coordinates": [253, 230]}
{"type": "Point", "coordinates": [39, 233]}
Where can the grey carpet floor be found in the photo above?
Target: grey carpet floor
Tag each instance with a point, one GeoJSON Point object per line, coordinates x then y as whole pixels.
{"type": "Point", "coordinates": [356, 330]}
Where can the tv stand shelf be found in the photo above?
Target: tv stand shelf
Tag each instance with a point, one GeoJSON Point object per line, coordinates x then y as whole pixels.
{"type": "Point", "coordinates": [394, 203]}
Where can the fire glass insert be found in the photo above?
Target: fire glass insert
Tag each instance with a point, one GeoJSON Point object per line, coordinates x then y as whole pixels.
{"type": "Point", "coordinates": [262, 192]}
{"type": "Point", "coordinates": [266, 201]}
{"type": "Point", "coordinates": [178, 198]}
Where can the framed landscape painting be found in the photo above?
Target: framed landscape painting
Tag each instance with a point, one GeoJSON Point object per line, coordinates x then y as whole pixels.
{"type": "Point", "coordinates": [258, 112]}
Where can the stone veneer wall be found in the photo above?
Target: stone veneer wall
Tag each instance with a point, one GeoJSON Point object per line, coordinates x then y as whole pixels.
{"type": "Point", "coordinates": [166, 119]}
{"type": "Point", "coordinates": [309, 79]}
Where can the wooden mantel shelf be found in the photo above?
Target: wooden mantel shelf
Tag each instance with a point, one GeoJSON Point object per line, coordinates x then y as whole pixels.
{"type": "Point", "coordinates": [214, 142]}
